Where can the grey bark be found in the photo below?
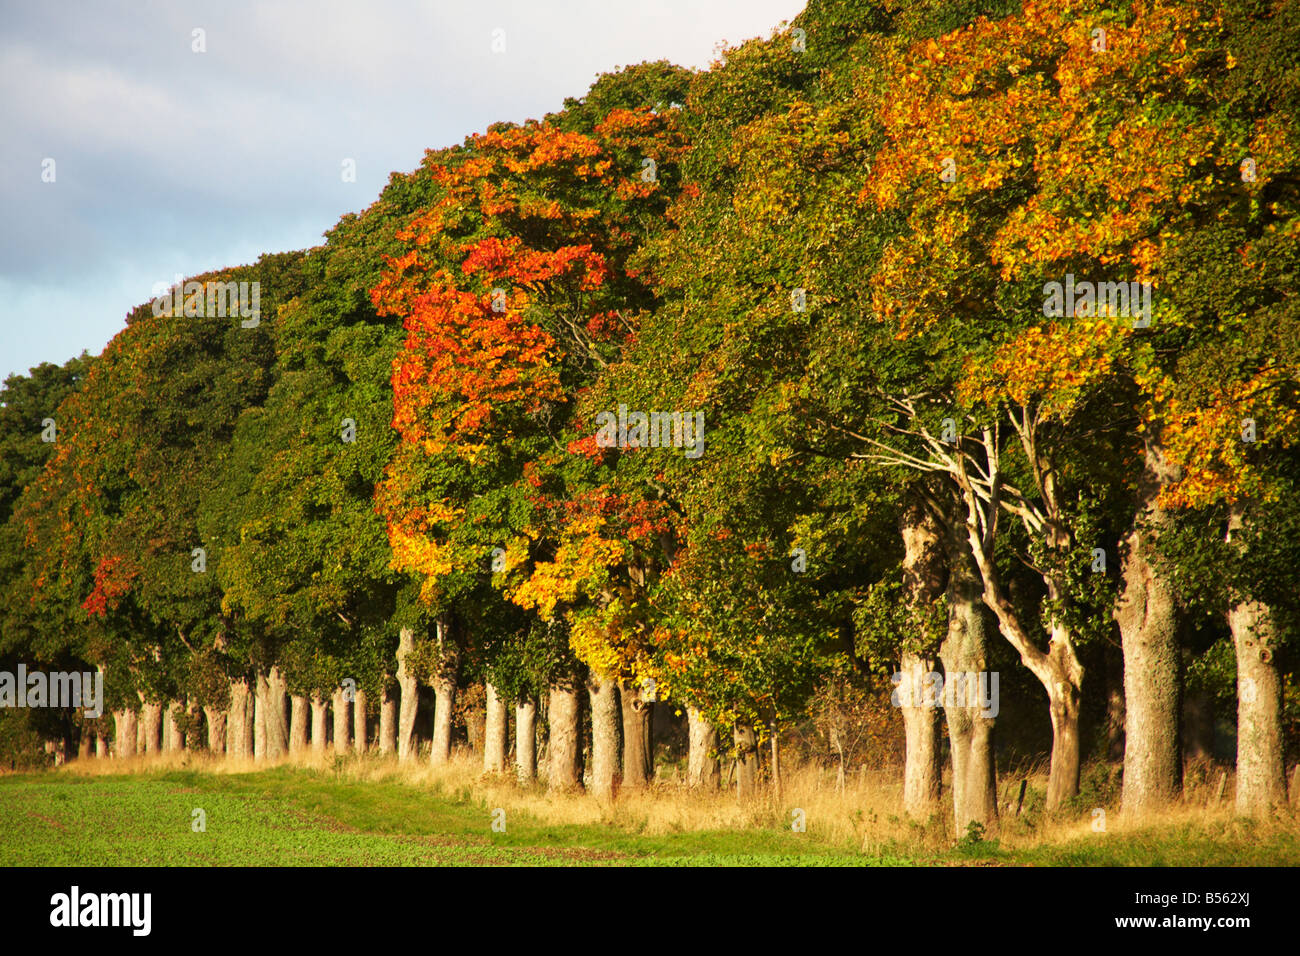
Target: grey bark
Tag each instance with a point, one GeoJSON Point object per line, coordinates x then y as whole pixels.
{"type": "Point", "coordinates": [1261, 769]}
{"type": "Point", "coordinates": [277, 726]}
{"type": "Point", "coordinates": [970, 730]}
{"type": "Point", "coordinates": [638, 751]}
{"type": "Point", "coordinates": [970, 727]}
{"type": "Point", "coordinates": [746, 761]}
{"type": "Point", "coordinates": [239, 733]}
{"type": "Point", "coordinates": [921, 742]}
{"type": "Point", "coordinates": [776, 760]}
{"type": "Point", "coordinates": [360, 734]}
{"type": "Point", "coordinates": [190, 738]}
{"type": "Point", "coordinates": [259, 716]}
{"type": "Point", "coordinates": [1057, 668]}
{"type": "Point", "coordinates": [526, 741]}
{"type": "Point", "coordinates": [923, 572]}
{"type": "Point", "coordinates": [124, 732]}
{"type": "Point", "coordinates": [444, 689]}
{"type": "Point", "coordinates": [563, 715]}
{"type": "Point", "coordinates": [702, 766]}
{"type": "Point", "coordinates": [150, 726]}
{"type": "Point", "coordinates": [216, 721]}
{"type": "Point", "coordinates": [602, 693]}
{"type": "Point", "coordinates": [388, 718]}
{"type": "Point", "coordinates": [298, 725]}
{"type": "Point", "coordinates": [1145, 612]}
{"type": "Point", "coordinates": [342, 723]}
{"type": "Point", "coordinates": [173, 741]}
{"type": "Point", "coordinates": [494, 732]}
{"type": "Point", "coordinates": [410, 700]}
{"type": "Point", "coordinates": [319, 723]}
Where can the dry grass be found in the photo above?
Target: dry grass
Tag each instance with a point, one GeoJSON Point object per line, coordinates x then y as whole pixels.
{"type": "Point", "coordinates": [866, 811]}
{"type": "Point", "coordinates": [865, 815]}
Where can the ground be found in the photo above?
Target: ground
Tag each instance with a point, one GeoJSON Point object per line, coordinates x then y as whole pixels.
{"type": "Point", "coordinates": [352, 813]}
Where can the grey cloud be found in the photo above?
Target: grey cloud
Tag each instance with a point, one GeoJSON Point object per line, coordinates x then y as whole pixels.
{"type": "Point", "coordinates": [171, 161]}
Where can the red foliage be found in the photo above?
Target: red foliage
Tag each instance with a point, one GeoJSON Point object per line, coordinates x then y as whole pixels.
{"type": "Point", "coordinates": [113, 578]}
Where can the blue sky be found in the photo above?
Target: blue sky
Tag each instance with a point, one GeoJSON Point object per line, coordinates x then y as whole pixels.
{"type": "Point", "coordinates": [168, 160]}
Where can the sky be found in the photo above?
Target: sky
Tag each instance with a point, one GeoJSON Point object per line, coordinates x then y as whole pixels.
{"type": "Point", "coordinates": [169, 160]}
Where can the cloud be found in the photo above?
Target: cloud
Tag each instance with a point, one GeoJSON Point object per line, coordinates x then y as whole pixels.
{"type": "Point", "coordinates": [168, 160]}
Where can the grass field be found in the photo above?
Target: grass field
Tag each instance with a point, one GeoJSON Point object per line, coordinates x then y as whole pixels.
{"type": "Point", "coordinates": [372, 812]}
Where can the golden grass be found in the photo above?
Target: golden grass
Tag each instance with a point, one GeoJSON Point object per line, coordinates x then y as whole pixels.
{"type": "Point", "coordinates": [866, 814]}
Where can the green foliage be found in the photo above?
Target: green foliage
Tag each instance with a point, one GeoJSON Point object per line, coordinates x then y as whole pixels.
{"type": "Point", "coordinates": [798, 273]}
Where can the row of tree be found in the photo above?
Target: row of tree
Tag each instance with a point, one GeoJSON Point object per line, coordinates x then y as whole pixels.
{"type": "Point", "coordinates": [946, 334]}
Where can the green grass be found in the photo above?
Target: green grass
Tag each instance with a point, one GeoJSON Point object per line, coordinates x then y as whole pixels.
{"type": "Point", "coordinates": [295, 817]}
{"type": "Point", "coordinates": [301, 817]}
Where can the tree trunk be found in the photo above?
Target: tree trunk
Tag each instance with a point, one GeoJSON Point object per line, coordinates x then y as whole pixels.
{"type": "Point", "coordinates": [1261, 769]}
{"type": "Point", "coordinates": [101, 746]}
{"type": "Point", "coordinates": [494, 732]}
{"type": "Point", "coordinates": [921, 780]}
{"type": "Point", "coordinates": [638, 755]}
{"type": "Point", "coordinates": [410, 700]}
{"type": "Point", "coordinates": [216, 720]}
{"type": "Point", "coordinates": [388, 718]}
{"type": "Point", "coordinates": [1061, 674]}
{"type": "Point", "coordinates": [564, 716]}
{"type": "Point", "coordinates": [250, 704]}
{"type": "Point", "coordinates": [1261, 775]}
{"type": "Point", "coordinates": [1063, 703]}
{"type": "Point", "coordinates": [342, 723]}
{"type": "Point", "coordinates": [1058, 668]}
{"type": "Point", "coordinates": [445, 704]}
{"type": "Point", "coordinates": [260, 700]}
{"type": "Point", "coordinates": [84, 747]}
{"type": "Point", "coordinates": [1145, 612]}
{"type": "Point", "coordinates": [746, 761]}
{"type": "Point", "coordinates": [602, 694]}
{"type": "Point", "coordinates": [964, 654]}
{"type": "Point", "coordinates": [702, 768]}
{"type": "Point", "coordinates": [151, 726]}
{"type": "Point", "coordinates": [776, 762]}
{"type": "Point", "coordinates": [172, 739]}
{"type": "Point", "coordinates": [297, 725]}
{"type": "Point", "coordinates": [360, 734]}
{"type": "Point", "coordinates": [277, 728]}
{"type": "Point", "coordinates": [444, 689]}
{"type": "Point", "coordinates": [526, 741]}
{"type": "Point", "coordinates": [923, 576]}
{"type": "Point", "coordinates": [124, 732]}
{"type": "Point", "coordinates": [319, 731]}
